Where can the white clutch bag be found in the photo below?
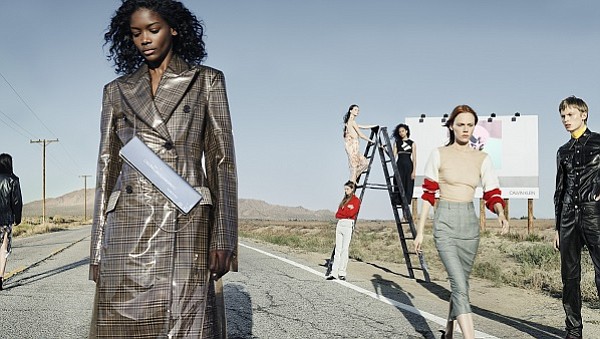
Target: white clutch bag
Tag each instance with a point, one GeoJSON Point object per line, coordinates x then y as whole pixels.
{"type": "Point", "coordinates": [175, 188]}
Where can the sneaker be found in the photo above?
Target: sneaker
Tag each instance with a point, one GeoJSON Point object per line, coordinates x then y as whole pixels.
{"type": "Point", "coordinates": [330, 278]}
{"type": "Point", "coordinates": [342, 277]}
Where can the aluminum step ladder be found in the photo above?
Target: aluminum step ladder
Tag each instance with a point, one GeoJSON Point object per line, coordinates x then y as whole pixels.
{"type": "Point", "coordinates": [405, 226]}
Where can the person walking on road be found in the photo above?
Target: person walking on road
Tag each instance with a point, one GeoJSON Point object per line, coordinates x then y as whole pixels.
{"type": "Point", "coordinates": [155, 266]}
{"type": "Point", "coordinates": [11, 208]}
{"type": "Point", "coordinates": [346, 213]}
{"type": "Point", "coordinates": [456, 170]}
{"type": "Point", "coordinates": [577, 207]}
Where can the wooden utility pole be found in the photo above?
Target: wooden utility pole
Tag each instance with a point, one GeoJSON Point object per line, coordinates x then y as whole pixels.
{"type": "Point", "coordinates": [44, 143]}
{"type": "Point", "coordinates": [529, 216]}
{"type": "Point", "coordinates": [85, 176]}
{"type": "Point", "coordinates": [482, 219]}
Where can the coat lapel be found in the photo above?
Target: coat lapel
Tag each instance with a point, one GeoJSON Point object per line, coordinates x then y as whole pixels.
{"type": "Point", "coordinates": [155, 112]}
{"type": "Point", "coordinates": [173, 86]}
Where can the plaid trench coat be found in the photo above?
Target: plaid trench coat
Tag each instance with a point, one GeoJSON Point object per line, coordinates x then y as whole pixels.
{"type": "Point", "coordinates": [153, 261]}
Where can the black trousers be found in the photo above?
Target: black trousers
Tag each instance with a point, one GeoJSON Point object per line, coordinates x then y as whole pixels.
{"type": "Point", "coordinates": [580, 225]}
{"type": "Point", "coordinates": [405, 168]}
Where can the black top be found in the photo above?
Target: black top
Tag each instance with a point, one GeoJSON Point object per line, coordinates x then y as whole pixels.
{"type": "Point", "coordinates": [404, 149]}
{"type": "Point", "coordinates": [577, 175]}
{"type": "Point", "coordinates": [11, 202]}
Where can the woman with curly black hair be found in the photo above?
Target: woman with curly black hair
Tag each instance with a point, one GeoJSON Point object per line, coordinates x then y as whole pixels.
{"type": "Point", "coordinates": [405, 152]}
{"type": "Point", "coordinates": [155, 265]}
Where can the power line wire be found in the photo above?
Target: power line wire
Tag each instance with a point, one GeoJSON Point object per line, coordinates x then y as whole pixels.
{"type": "Point", "coordinates": [38, 118]}
{"type": "Point", "coordinates": [15, 124]}
{"type": "Point", "coordinates": [25, 103]}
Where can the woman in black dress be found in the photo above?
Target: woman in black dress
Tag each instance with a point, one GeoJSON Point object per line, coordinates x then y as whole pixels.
{"type": "Point", "coordinates": [405, 152]}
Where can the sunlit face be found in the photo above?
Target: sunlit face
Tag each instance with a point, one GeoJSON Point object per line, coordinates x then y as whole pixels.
{"type": "Point", "coordinates": [354, 111]}
{"type": "Point", "coordinates": [572, 118]}
{"type": "Point", "coordinates": [348, 190]}
{"type": "Point", "coordinates": [402, 132]}
{"type": "Point", "coordinates": [152, 36]}
{"type": "Point", "coordinates": [463, 127]}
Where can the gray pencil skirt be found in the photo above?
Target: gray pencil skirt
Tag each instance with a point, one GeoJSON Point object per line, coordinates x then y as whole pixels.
{"type": "Point", "coordinates": [456, 236]}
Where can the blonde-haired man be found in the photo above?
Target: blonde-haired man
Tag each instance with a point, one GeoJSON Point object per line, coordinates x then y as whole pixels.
{"type": "Point", "coordinates": [577, 206]}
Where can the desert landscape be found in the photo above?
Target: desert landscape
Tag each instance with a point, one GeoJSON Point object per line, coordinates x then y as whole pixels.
{"type": "Point", "coordinates": [519, 259]}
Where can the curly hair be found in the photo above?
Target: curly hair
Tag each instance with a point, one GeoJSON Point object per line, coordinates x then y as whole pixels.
{"type": "Point", "coordinates": [396, 134]}
{"type": "Point", "coordinates": [187, 44]}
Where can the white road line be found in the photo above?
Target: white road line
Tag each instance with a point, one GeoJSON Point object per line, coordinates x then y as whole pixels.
{"type": "Point", "coordinates": [408, 308]}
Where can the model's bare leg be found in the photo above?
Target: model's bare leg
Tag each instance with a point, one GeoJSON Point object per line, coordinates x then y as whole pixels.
{"type": "Point", "coordinates": [465, 321]}
{"type": "Point", "coordinates": [3, 252]}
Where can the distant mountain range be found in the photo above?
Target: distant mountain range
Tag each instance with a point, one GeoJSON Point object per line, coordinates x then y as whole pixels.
{"type": "Point", "coordinates": [258, 209]}
{"type": "Point", "coordinates": [72, 205]}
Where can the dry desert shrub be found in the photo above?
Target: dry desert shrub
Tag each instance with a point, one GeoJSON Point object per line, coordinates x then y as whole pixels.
{"type": "Point", "coordinates": [521, 259]}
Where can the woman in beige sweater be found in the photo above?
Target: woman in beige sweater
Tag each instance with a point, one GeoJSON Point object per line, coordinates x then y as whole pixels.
{"type": "Point", "coordinates": [456, 170]}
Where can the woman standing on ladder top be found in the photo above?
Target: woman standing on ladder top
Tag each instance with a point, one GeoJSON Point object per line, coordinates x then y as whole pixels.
{"type": "Point", "coordinates": [455, 170]}
{"type": "Point", "coordinates": [405, 151]}
{"type": "Point", "coordinates": [357, 162]}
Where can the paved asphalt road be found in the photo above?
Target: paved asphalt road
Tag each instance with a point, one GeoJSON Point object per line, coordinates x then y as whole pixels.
{"type": "Point", "coordinates": [274, 296]}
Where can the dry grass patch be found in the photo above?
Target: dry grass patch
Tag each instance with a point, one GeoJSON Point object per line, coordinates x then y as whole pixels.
{"type": "Point", "coordinates": [520, 259]}
{"type": "Point", "coordinates": [32, 226]}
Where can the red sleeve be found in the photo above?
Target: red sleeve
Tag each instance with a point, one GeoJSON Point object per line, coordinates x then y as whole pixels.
{"type": "Point", "coordinates": [492, 197]}
{"type": "Point", "coordinates": [429, 189]}
{"type": "Point", "coordinates": [350, 210]}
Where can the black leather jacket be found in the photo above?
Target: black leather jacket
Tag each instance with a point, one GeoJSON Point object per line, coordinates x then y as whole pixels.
{"type": "Point", "coordinates": [577, 176]}
{"type": "Point", "coordinates": [11, 202]}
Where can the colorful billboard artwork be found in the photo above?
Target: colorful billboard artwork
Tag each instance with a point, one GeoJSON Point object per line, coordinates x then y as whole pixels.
{"type": "Point", "coordinates": [487, 137]}
{"type": "Point", "coordinates": [511, 142]}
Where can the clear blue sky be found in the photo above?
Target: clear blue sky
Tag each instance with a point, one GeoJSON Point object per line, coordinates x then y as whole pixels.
{"type": "Point", "coordinates": [292, 70]}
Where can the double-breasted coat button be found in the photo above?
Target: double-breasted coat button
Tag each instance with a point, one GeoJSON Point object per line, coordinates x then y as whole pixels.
{"type": "Point", "coordinates": [168, 145]}
{"type": "Point", "coordinates": [187, 108]}
{"type": "Point", "coordinates": [129, 189]}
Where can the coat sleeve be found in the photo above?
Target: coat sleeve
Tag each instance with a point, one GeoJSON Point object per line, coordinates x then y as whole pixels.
{"type": "Point", "coordinates": [220, 167]}
{"type": "Point", "coordinates": [430, 183]}
{"type": "Point", "coordinates": [491, 185]}
{"type": "Point", "coordinates": [108, 169]}
{"type": "Point", "coordinates": [558, 192]}
{"type": "Point", "coordinates": [17, 202]}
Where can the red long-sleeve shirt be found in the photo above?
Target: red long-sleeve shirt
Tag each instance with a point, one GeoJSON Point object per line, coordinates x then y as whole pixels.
{"type": "Point", "coordinates": [350, 210]}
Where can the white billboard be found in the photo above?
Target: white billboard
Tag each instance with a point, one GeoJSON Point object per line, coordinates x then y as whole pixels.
{"type": "Point", "coordinates": [511, 142]}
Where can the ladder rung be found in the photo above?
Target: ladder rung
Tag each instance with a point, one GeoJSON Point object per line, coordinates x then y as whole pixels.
{"type": "Point", "coordinates": [375, 186]}
{"type": "Point", "coordinates": [416, 268]}
{"type": "Point", "coordinates": [382, 146]}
